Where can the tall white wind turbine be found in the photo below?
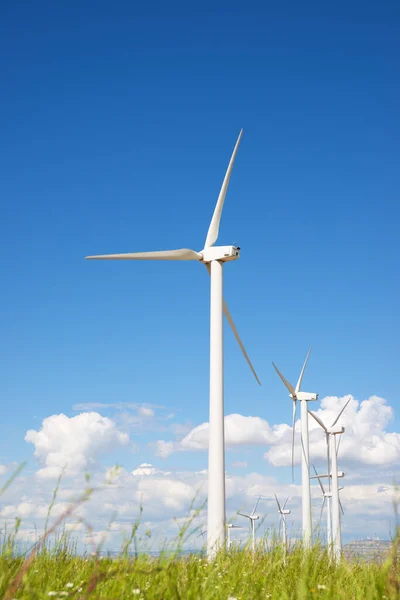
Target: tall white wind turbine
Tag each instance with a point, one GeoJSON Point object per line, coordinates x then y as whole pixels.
{"type": "Point", "coordinates": [213, 257]}
{"type": "Point", "coordinates": [283, 514]}
{"type": "Point", "coordinates": [303, 397]}
{"type": "Point", "coordinates": [332, 448]}
{"type": "Point", "coordinates": [252, 518]}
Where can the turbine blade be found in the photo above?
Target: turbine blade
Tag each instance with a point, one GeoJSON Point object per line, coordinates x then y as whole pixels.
{"type": "Point", "coordinates": [341, 507]}
{"type": "Point", "coordinates": [239, 341]}
{"type": "Point", "coordinates": [285, 381]}
{"type": "Point", "coordinates": [283, 507]}
{"type": "Point", "coordinates": [322, 510]}
{"type": "Point", "coordinates": [298, 385]}
{"type": "Point", "coordinates": [328, 454]}
{"type": "Point", "coordinates": [293, 427]}
{"type": "Point", "coordinates": [318, 420]}
{"type": "Point", "coordinates": [337, 447]}
{"type": "Point", "coordinates": [235, 332]}
{"type": "Point", "coordinates": [340, 414]}
{"type": "Point", "coordinates": [213, 230]}
{"type": "Point", "coordinates": [277, 501]}
{"type": "Point", "coordinates": [243, 515]}
{"type": "Point", "coordinates": [319, 480]}
{"type": "Point", "coordinates": [255, 508]}
{"type": "Point", "coordinates": [181, 254]}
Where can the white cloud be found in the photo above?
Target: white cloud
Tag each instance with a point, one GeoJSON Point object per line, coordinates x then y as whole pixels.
{"type": "Point", "coordinates": [365, 441]}
{"type": "Point", "coordinates": [73, 442]}
{"type": "Point", "coordinates": [239, 430]}
{"type": "Point", "coordinates": [145, 469]}
{"type": "Point", "coordinates": [146, 412]}
{"type": "Point", "coordinates": [3, 469]}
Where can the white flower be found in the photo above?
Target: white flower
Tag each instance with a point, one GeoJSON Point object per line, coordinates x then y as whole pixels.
{"type": "Point", "coordinates": [52, 593]}
{"type": "Point", "coordinates": [136, 591]}
{"type": "Point", "coordinates": [69, 585]}
{"type": "Point", "coordinates": [321, 587]}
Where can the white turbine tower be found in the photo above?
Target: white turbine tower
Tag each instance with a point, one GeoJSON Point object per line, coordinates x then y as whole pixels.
{"type": "Point", "coordinates": [252, 518]}
{"type": "Point", "coordinates": [282, 521]}
{"type": "Point", "coordinates": [303, 397]}
{"type": "Point", "coordinates": [332, 450]}
{"type": "Point", "coordinates": [213, 257]}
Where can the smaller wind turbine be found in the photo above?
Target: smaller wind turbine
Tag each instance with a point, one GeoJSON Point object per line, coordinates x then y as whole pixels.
{"type": "Point", "coordinates": [332, 452]}
{"type": "Point", "coordinates": [253, 518]}
{"type": "Point", "coordinates": [230, 526]}
{"type": "Point", "coordinates": [282, 521]}
{"type": "Point", "coordinates": [303, 397]}
{"type": "Point", "coordinates": [327, 497]}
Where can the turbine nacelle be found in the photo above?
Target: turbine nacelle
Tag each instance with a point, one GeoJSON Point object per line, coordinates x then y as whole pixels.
{"type": "Point", "coordinates": [222, 253]}
{"type": "Point", "coordinates": [335, 430]}
{"type": "Point", "coordinates": [286, 511]}
{"type": "Point", "coordinates": [307, 396]}
{"type": "Point", "coordinates": [339, 474]}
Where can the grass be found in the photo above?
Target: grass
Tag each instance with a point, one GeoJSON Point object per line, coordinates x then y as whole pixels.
{"type": "Point", "coordinates": [53, 570]}
{"type": "Point", "coordinates": [237, 574]}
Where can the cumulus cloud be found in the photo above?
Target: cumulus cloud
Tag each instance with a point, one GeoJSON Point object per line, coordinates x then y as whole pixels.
{"type": "Point", "coordinates": [73, 443]}
{"type": "Point", "coordinates": [239, 431]}
{"type": "Point", "coordinates": [365, 441]}
{"type": "Point", "coordinates": [145, 469]}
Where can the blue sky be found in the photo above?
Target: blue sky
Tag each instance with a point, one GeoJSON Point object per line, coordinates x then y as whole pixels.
{"type": "Point", "coordinates": [117, 126]}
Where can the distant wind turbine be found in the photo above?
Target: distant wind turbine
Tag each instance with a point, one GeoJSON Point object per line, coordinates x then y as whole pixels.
{"type": "Point", "coordinates": [332, 449]}
{"type": "Point", "coordinates": [229, 527]}
{"type": "Point", "coordinates": [327, 496]}
{"type": "Point", "coordinates": [213, 257]}
{"type": "Point", "coordinates": [282, 521]}
{"type": "Point", "coordinates": [252, 518]}
{"type": "Point", "coordinates": [303, 397]}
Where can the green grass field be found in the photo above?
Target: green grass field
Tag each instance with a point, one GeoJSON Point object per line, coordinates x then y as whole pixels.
{"type": "Point", "coordinates": [52, 569]}
{"type": "Point", "coordinates": [233, 575]}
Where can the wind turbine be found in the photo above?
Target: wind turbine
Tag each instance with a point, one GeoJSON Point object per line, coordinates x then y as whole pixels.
{"type": "Point", "coordinates": [327, 497]}
{"type": "Point", "coordinates": [303, 397]}
{"type": "Point", "coordinates": [213, 257]}
{"type": "Point", "coordinates": [253, 518]}
{"type": "Point", "coordinates": [229, 527]}
{"type": "Point", "coordinates": [283, 514]}
{"type": "Point", "coordinates": [332, 450]}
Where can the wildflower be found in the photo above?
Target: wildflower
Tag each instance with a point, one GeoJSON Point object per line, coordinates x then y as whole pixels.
{"type": "Point", "coordinates": [232, 598]}
{"type": "Point", "coordinates": [136, 591]}
{"type": "Point", "coordinates": [63, 593]}
{"type": "Point", "coordinates": [69, 585]}
{"type": "Point", "coordinates": [321, 587]}
{"type": "Point", "coordinates": [79, 589]}
{"type": "Point", "coordinates": [52, 593]}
